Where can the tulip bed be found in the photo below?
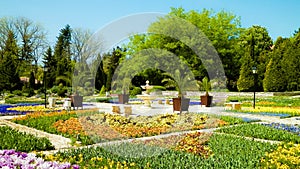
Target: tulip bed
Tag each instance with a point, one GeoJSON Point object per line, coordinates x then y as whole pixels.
{"type": "Point", "coordinates": [33, 108]}
{"type": "Point", "coordinates": [285, 156]}
{"type": "Point", "coordinates": [15, 159]}
{"type": "Point", "coordinates": [217, 151]}
{"type": "Point", "coordinates": [291, 128]}
{"type": "Point", "coordinates": [262, 132]}
{"type": "Point", "coordinates": [225, 148]}
{"type": "Point", "coordinates": [12, 139]}
{"type": "Point", "coordinates": [7, 109]}
{"type": "Point", "coordinates": [283, 112]}
{"type": "Point", "coordinates": [90, 127]}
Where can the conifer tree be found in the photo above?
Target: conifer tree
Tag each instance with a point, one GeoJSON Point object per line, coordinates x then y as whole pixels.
{"type": "Point", "coordinates": [9, 72]}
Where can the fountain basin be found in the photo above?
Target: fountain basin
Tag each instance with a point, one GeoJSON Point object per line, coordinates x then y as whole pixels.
{"type": "Point", "coordinates": [147, 99]}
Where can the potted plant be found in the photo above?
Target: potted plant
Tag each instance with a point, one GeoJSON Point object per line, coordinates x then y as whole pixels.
{"type": "Point", "coordinates": [206, 99]}
{"type": "Point", "coordinates": [182, 81]}
{"type": "Point", "coordinates": [124, 96]}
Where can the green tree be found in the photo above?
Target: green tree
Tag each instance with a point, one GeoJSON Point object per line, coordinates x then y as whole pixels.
{"type": "Point", "coordinates": [110, 63]}
{"type": "Point", "coordinates": [9, 70]}
{"type": "Point", "coordinates": [222, 29]}
{"type": "Point", "coordinates": [291, 63]}
{"type": "Point", "coordinates": [62, 54]}
{"type": "Point", "coordinates": [255, 45]}
{"type": "Point", "coordinates": [51, 63]}
{"type": "Point", "coordinates": [275, 77]}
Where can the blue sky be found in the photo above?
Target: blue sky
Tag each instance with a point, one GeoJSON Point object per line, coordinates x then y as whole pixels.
{"type": "Point", "coordinates": [281, 18]}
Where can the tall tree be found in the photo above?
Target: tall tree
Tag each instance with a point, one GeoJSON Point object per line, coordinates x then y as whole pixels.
{"type": "Point", "coordinates": [9, 69]}
{"type": "Point", "coordinates": [291, 63]}
{"type": "Point", "coordinates": [51, 63]}
{"type": "Point", "coordinates": [222, 29]}
{"type": "Point", "coordinates": [275, 75]}
{"type": "Point", "coordinates": [110, 63]}
{"type": "Point", "coordinates": [62, 54]}
{"type": "Point", "coordinates": [255, 44]}
{"type": "Point", "coordinates": [80, 38]}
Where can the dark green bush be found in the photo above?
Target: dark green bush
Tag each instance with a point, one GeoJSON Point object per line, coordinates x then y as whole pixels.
{"type": "Point", "coordinates": [103, 99]}
{"type": "Point", "coordinates": [135, 91]}
{"type": "Point", "coordinates": [17, 92]}
{"type": "Point", "coordinates": [286, 93]}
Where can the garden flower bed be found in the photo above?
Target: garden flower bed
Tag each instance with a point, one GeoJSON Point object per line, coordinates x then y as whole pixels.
{"type": "Point", "coordinates": [261, 132]}
{"type": "Point", "coordinates": [33, 108]}
{"type": "Point", "coordinates": [285, 156]}
{"type": "Point", "coordinates": [218, 151]}
{"type": "Point", "coordinates": [272, 111]}
{"type": "Point", "coordinates": [7, 109]}
{"type": "Point", "coordinates": [15, 159]}
{"type": "Point", "coordinates": [90, 127]}
{"type": "Point", "coordinates": [290, 128]}
{"type": "Point", "coordinates": [12, 139]}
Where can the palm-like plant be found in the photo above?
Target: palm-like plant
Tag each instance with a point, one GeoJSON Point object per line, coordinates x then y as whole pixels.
{"type": "Point", "coordinates": [182, 81]}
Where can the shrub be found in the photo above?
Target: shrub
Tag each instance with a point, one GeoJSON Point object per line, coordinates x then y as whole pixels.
{"type": "Point", "coordinates": [62, 90]}
{"type": "Point", "coordinates": [17, 92]}
{"type": "Point", "coordinates": [135, 91]}
{"type": "Point", "coordinates": [54, 89]}
{"type": "Point", "coordinates": [102, 91]}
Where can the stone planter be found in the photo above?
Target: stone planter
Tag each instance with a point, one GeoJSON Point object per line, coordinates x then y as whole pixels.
{"type": "Point", "coordinates": [76, 101]}
{"type": "Point", "coordinates": [181, 104]}
{"type": "Point", "coordinates": [123, 98]}
{"type": "Point", "coordinates": [206, 100]}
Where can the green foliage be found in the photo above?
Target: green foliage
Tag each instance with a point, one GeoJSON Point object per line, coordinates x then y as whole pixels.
{"type": "Point", "coordinates": [103, 90]}
{"type": "Point", "coordinates": [262, 132]}
{"type": "Point", "coordinates": [12, 139]}
{"type": "Point", "coordinates": [246, 79]}
{"type": "Point", "coordinates": [206, 85]}
{"type": "Point", "coordinates": [135, 91]}
{"type": "Point", "coordinates": [103, 99]}
{"type": "Point", "coordinates": [228, 152]}
{"type": "Point", "coordinates": [9, 72]}
{"type": "Point", "coordinates": [275, 77]}
{"type": "Point", "coordinates": [17, 92]}
{"type": "Point", "coordinates": [278, 100]}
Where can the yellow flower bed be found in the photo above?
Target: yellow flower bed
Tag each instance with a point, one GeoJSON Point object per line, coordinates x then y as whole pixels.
{"type": "Point", "coordinates": [38, 114]}
{"type": "Point", "coordinates": [286, 156]}
{"type": "Point", "coordinates": [94, 162]}
{"type": "Point", "coordinates": [292, 111]}
{"type": "Point", "coordinates": [33, 108]}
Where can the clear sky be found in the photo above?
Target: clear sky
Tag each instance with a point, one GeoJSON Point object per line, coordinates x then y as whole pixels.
{"type": "Point", "coordinates": [281, 18]}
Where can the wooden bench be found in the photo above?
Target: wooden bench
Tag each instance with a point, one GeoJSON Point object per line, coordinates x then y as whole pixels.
{"type": "Point", "coordinates": [233, 106]}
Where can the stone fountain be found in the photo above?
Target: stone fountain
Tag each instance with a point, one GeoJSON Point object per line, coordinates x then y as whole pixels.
{"type": "Point", "coordinates": [145, 96]}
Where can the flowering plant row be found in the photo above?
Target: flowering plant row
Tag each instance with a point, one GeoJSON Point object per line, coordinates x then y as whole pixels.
{"type": "Point", "coordinates": [280, 111]}
{"type": "Point", "coordinates": [228, 152]}
{"type": "Point", "coordinates": [13, 139]}
{"type": "Point", "coordinates": [40, 108]}
{"type": "Point", "coordinates": [290, 128]}
{"type": "Point", "coordinates": [262, 132]}
{"type": "Point", "coordinates": [15, 159]}
{"type": "Point", "coordinates": [285, 156]}
{"type": "Point", "coordinates": [90, 127]}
